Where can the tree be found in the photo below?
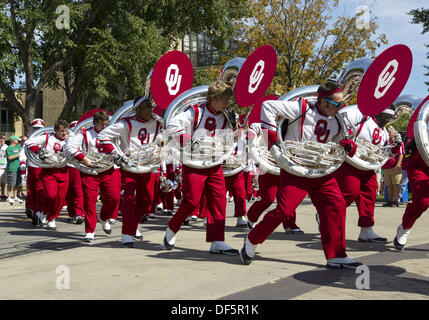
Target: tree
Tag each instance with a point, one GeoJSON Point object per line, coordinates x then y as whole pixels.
{"type": "Point", "coordinates": [107, 51]}
{"type": "Point", "coordinates": [310, 46]}
{"type": "Point", "coordinates": [422, 16]}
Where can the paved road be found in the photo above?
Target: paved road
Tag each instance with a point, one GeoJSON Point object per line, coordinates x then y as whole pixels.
{"type": "Point", "coordinates": [36, 263]}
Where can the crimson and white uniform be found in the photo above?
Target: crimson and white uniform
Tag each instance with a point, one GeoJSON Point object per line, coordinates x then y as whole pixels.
{"type": "Point", "coordinates": [167, 198]}
{"type": "Point", "coordinates": [249, 172]}
{"type": "Point", "coordinates": [108, 182]}
{"type": "Point", "coordinates": [55, 180]}
{"type": "Point", "coordinates": [361, 185]}
{"type": "Point", "coordinates": [35, 191]}
{"type": "Point", "coordinates": [418, 175]}
{"type": "Point", "coordinates": [209, 180]}
{"type": "Point", "coordinates": [268, 188]}
{"type": "Point", "coordinates": [139, 188]}
{"type": "Point", "coordinates": [324, 191]}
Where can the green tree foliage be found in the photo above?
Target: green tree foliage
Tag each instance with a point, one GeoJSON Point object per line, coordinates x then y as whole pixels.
{"type": "Point", "coordinates": [108, 50]}
{"type": "Point", "coordinates": [421, 16]}
{"type": "Point", "coordinates": [311, 45]}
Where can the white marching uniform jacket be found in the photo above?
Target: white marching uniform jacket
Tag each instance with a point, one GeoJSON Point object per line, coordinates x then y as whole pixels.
{"type": "Point", "coordinates": [132, 132]}
{"type": "Point", "coordinates": [366, 128]}
{"type": "Point", "coordinates": [197, 117]}
{"type": "Point", "coordinates": [50, 142]}
{"type": "Point", "coordinates": [313, 125]}
{"type": "Point", "coordinates": [86, 140]}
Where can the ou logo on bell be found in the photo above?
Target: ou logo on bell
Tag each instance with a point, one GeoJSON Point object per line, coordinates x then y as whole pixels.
{"type": "Point", "coordinates": [386, 79]}
{"type": "Point", "coordinates": [256, 76]}
{"type": "Point", "coordinates": [173, 80]}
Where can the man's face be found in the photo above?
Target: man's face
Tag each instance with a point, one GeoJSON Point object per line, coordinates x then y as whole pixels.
{"type": "Point", "coordinates": [221, 103]}
{"type": "Point", "coordinates": [144, 111]}
{"type": "Point", "coordinates": [331, 106]}
{"type": "Point", "coordinates": [62, 132]}
{"type": "Point", "coordinates": [100, 125]}
{"type": "Point", "coordinates": [2, 140]}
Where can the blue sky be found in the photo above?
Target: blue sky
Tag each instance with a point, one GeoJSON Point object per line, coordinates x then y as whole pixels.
{"type": "Point", "coordinates": [393, 20]}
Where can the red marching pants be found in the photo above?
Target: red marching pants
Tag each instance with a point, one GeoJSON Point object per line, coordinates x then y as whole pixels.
{"type": "Point", "coordinates": [248, 176]}
{"type": "Point", "coordinates": [55, 182]}
{"type": "Point", "coordinates": [418, 176]}
{"type": "Point", "coordinates": [156, 193]}
{"type": "Point", "coordinates": [360, 186]}
{"type": "Point", "coordinates": [109, 183]}
{"type": "Point", "coordinates": [35, 190]}
{"type": "Point", "coordinates": [212, 182]}
{"type": "Point", "coordinates": [138, 197]}
{"type": "Point", "coordinates": [325, 195]}
{"type": "Point", "coordinates": [167, 198]}
{"type": "Point", "coordinates": [236, 186]}
{"type": "Point", "coordinates": [268, 186]}
{"type": "Point", "coordinates": [74, 193]}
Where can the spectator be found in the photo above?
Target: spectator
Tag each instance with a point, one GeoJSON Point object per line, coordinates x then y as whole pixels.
{"type": "Point", "coordinates": [3, 165]}
{"type": "Point", "coordinates": [13, 169]}
{"type": "Point", "coordinates": [402, 187]}
{"type": "Point", "coordinates": [393, 167]}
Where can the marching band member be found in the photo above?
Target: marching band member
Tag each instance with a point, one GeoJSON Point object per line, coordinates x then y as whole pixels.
{"type": "Point", "coordinates": [268, 185]}
{"type": "Point", "coordinates": [209, 180]}
{"type": "Point", "coordinates": [249, 172]}
{"type": "Point", "coordinates": [418, 175]}
{"type": "Point", "coordinates": [134, 132]}
{"type": "Point", "coordinates": [360, 186]}
{"type": "Point", "coordinates": [167, 198]}
{"type": "Point", "coordinates": [393, 168]}
{"type": "Point", "coordinates": [75, 195]}
{"type": "Point", "coordinates": [55, 180]}
{"type": "Point", "coordinates": [236, 186]}
{"type": "Point", "coordinates": [109, 182]}
{"type": "Point", "coordinates": [317, 123]}
{"type": "Point", "coordinates": [35, 191]}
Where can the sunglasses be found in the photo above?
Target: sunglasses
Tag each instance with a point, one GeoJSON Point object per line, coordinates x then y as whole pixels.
{"type": "Point", "coordinates": [337, 105]}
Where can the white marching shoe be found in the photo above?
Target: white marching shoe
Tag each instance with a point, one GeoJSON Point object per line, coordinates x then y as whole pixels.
{"type": "Point", "coordinates": [169, 239]}
{"type": "Point", "coordinates": [241, 222]}
{"type": "Point", "coordinates": [401, 238]}
{"type": "Point", "coordinates": [89, 238]}
{"type": "Point", "coordinates": [247, 253]}
{"type": "Point", "coordinates": [342, 263]}
{"type": "Point", "coordinates": [105, 224]}
{"type": "Point", "coordinates": [127, 241]}
{"type": "Point", "coordinates": [220, 247]}
{"type": "Point", "coordinates": [52, 225]}
{"type": "Point", "coordinates": [290, 230]}
{"type": "Point", "coordinates": [367, 234]}
{"type": "Point", "coordinates": [138, 235]}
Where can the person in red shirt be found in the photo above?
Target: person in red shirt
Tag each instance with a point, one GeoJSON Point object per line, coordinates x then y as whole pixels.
{"type": "Point", "coordinates": [393, 167]}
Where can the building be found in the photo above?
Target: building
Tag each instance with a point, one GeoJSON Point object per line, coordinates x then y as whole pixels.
{"type": "Point", "coordinates": [198, 47]}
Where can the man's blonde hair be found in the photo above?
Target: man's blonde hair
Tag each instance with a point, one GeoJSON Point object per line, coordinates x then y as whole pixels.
{"type": "Point", "coordinates": [218, 89]}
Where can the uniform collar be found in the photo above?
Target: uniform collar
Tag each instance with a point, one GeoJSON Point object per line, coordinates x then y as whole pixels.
{"type": "Point", "coordinates": [319, 110]}
{"type": "Point", "coordinates": [58, 138]}
{"type": "Point", "coordinates": [211, 109]}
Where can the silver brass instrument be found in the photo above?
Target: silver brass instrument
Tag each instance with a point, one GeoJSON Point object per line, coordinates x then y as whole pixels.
{"type": "Point", "coordinates": [238, 160]}
{"type": "Point", "coordinates": [368, 156]}
{"type": "Point", "coordinates": [149, 156]}
{"type": "Point", "coordinates": [352, 77]}
{"type": "Point", "coordinates": [421, 132]}
{"type": "Point", "coordinates": [100, 162]}
{"type": "Point", "coordinates": [312, 159]}
{"type": "Point", "coordinates": [203, 151]}
{"type": "Point", "coordinates": [53, 160]}
{"type": "Point", "coordinates": [307, 159]}
{"type": "Point", "coordinates": [258, 151]}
